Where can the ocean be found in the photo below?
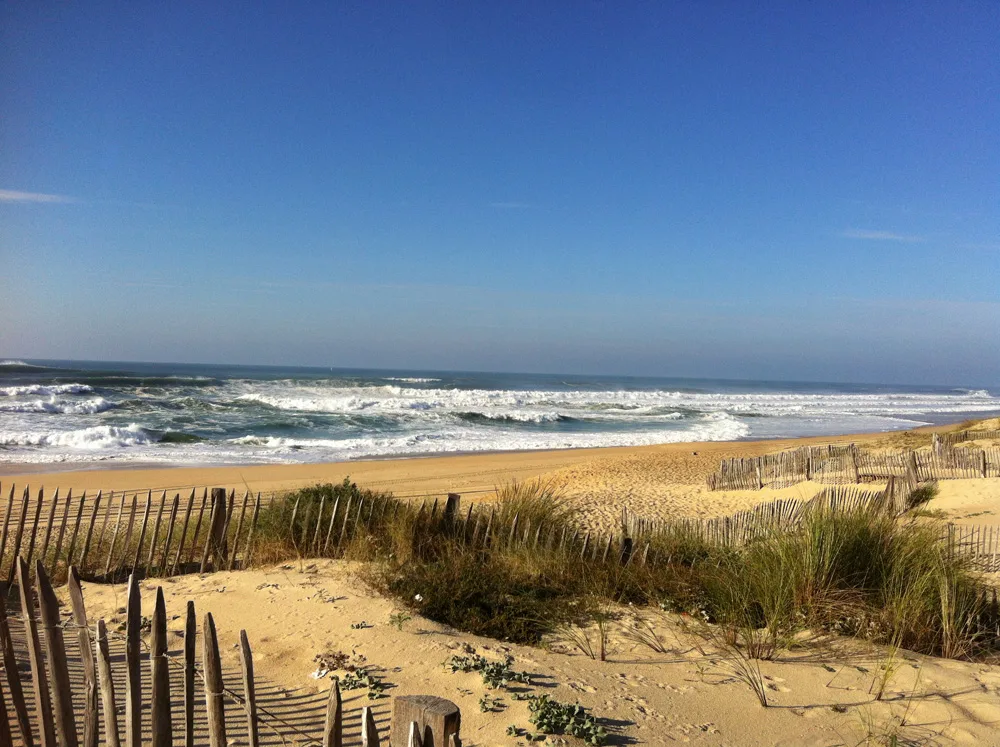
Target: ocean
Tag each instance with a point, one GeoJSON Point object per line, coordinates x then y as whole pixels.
{"type": "Point", "coordinates": [185, 414]}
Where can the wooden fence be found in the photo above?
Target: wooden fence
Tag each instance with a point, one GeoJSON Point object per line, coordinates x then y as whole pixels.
{"type": "Point", "coordinates": [979, 543]}
{"type": "Point", "coordinates": [849, 464]}
{"type": "Point", "coordinates": [637, 540]}
{"type": "Point", "coordinates": [956, 437]}
{"type": "Point", "coordinates": [53, 709]}
{"type": "Point", "coordinates": [109, 536]}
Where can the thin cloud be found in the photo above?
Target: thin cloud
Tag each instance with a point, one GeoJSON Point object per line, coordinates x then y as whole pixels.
{"type": "Point", "coordinates": [12, 195]}
{"type": "Point", "coordinates": [868, 235]}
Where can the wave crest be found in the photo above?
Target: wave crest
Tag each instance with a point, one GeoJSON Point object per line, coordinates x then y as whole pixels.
{"type": "Point", "coordinates": [60, 407]}
{"type": "Point", "coordinates": [44, 389]}
{"type": "Point", "coordinates": [87, 439]}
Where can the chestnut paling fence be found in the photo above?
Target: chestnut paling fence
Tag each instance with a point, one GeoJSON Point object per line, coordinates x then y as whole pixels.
{"type": "Point", "coordinates": [48, 704]}
{"type": "Point", "coordinates": [219, 532]}
{"type": "Point", "coordinates": [109, 536]}
{"type": "Point", "coordinates": [850, 464]}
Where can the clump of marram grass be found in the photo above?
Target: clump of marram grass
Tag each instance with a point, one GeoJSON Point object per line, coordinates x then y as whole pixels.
{"type": "Point", "coordinates": [856, 572]}
{"type": "Point", "coordinates": [859, 572]}
{"type": "Point", "coordinates": [302, 523]}
{"type": "Point", "coordinates": [921, 495]}
{"type": "Point", "coordinates": [537, 504]}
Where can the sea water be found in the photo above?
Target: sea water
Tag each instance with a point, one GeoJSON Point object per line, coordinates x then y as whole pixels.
{"type": "Point", "coordinates": [72, 411]}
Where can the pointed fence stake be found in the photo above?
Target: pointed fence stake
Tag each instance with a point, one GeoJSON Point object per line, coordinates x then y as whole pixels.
{"type": "Point", "coordinates": [112, 736]}
{"type": "Point", "coordinates": [55, 649]}
{"type": "Point", "coordinates": [184, 531]}
{"type": "Point", "coordinates": [62, 534]}
{"type": "Point", "coordinates": [333, 729]}
{"type": "Point", "coordinates": [76, 529]}
{"type": "Point", "coordinates": [369, 732]}
{"type": "Point", "coordinates": [39, 679]}
{"type": "Point", "coordinates": [212, 666]}
{"type": "Point", "coordinates": [190, 635]}
{"type": "Point", "coordinates": [249, 693]}
{"type": "Point", "coordinates": [172, 521]}
{"type": "Point", "coordinates": [161, 726]}
{"type": "Point", "coordinates": [90, 719]}
{"type": "Point", "coordinates": [6, 525]}
{"type": "Point", "coordinates": [13, 677]}
{"type": "Point", "coordinates": [133, 677]}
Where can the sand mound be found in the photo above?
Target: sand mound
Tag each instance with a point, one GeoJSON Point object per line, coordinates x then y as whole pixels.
{"type": "Point", "coordinates": [688, 694]}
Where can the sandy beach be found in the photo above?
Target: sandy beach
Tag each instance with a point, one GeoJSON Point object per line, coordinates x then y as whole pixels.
{"type": "Point", "coordinates": [469, 474]}
{"type": "Point", "coordinates": [665, 481]}
{"type": "Point", "coordinates": [820, 693]}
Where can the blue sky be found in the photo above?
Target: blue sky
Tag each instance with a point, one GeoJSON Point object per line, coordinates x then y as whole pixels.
{"type": "Point", "coordinates": [746, 190]}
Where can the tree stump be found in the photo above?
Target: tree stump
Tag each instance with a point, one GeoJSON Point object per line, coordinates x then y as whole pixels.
{"type": "Point", "coordinates": [436, 718]}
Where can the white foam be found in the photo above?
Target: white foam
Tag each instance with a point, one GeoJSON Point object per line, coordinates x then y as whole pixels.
{"type": "Point", "coordinates": [517, 416]}
{"type": "Point", "coordinates": [393, 400]}
{"type": "Point", "coordinates": [330, 420]}
{"type": "Point", "coordinates": [410, 379]}
{"type": "Point", "coordinates": [714, 427]}
{"type": "Point", "coordinates": [44, 389]}
{"type": "Point", "coordinates": [57, 406]}
{"type": "Point", "coordinates": [89, 439]}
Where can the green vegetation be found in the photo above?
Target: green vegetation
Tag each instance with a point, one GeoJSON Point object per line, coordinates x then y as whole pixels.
{"type": "Point", "coordinates": [922, 495]}
{"type": "Point", "coordinates": [521, 570]}
{"type": "Point", "coordinates": [552, 717]}
{"type": "Point", "coordinates": [496, 674]}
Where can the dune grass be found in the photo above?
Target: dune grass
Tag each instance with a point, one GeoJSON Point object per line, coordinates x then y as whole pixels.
{"type": "Point", "coordinates": [857, 572]}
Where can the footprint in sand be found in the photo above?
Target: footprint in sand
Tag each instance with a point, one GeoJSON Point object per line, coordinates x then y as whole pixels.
{"type": "Point", "coordinates": [582, 687]}
{"type": "Point", "coordinates": [807, 712]}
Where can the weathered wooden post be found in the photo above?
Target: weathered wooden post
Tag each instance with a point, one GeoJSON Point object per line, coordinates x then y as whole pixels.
{"type": "Point", "coordinates": [190, 634]}
{"type": "Point", "coordinates": [90, 724]}
{"type": "Point", "coordinates": [333, 728]}
{"type": "Point", "coordinates": [437, 720]}
{"type": "Point", "coordinates": [18, 536]}
{"type": "Point", "coordinates": [133, 679]}
{"type": "Point", "coordinates": [452, 506]}
{"type": "Point", "coordinates": [626, 554]}
{"type": "Point", "coordinates": [39, 679]}
{"type": "Point", "coordinates": [249, 691]}
{"type": "Point", "coordinates": [161, 725]}
{"type": "Point", "coordinates": [369, 731]}
{"type": "Point", "coordinates": [912, 474]}
{"type": "Point", "coordinates": [112, 737]}
{"type": "Point", "coordinates": [212, 666]}
{"type": "Point", "coordinates": [215, 544]}
{"type": "Point", "coordinates": [13, 678]}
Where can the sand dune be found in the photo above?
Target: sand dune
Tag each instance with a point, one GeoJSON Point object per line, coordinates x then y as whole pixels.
{"type": "Point", "coordinates": [820, 696]}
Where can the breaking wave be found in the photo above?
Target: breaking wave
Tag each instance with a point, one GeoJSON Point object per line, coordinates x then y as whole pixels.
{"type": "Point", "coordinates": [227, 415]}
{"type": "Point", "coordinates": [59, 407]}
{"type": "Point", "coordinates": [45, 389]}
{"type": "Point", "coordinates": [97, 437]}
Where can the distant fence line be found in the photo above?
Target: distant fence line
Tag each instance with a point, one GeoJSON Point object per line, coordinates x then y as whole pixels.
{"type": "Point", "coordinates": [980, 544]}
{"type": "Point", "coordinates": [849, 464]}
{"type": "Point", "coordinates": [955, 437]}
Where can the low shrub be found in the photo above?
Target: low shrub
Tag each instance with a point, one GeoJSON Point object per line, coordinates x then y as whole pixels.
{"type": "Point", "coordinates": [855, 571]}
